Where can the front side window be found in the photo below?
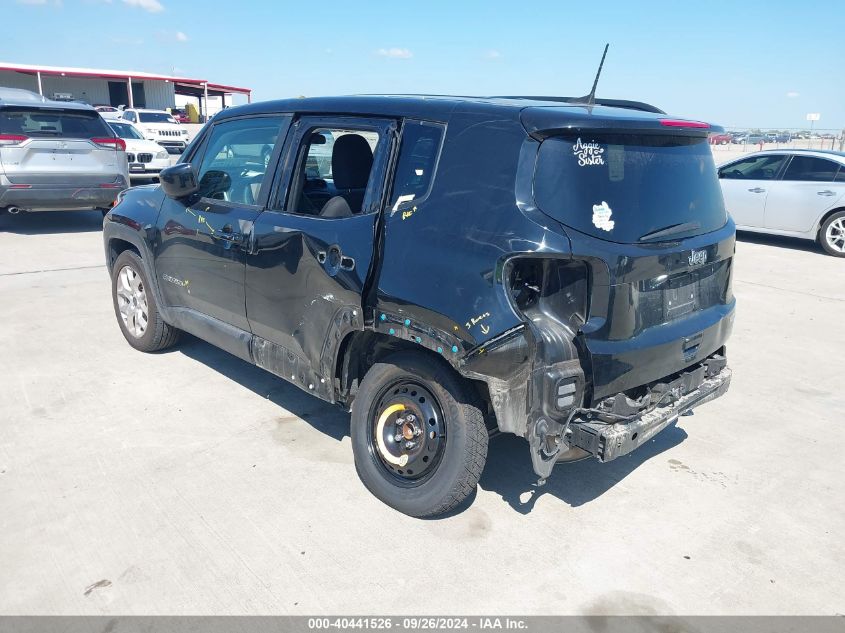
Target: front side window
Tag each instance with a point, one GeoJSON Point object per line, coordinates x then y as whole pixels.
{"type": "Point", "coordinates": [812, 169]}
{"type": "Point", "coordinates": [52, 123]}
{"type": "Point", "coordinates": [418, 154]}
{"type": "Point", "coordinates": [236, 158]}
{"type": "Point", "coordinates": [756, 168]}
{"type": "Point", "coordinates": [333, 172]}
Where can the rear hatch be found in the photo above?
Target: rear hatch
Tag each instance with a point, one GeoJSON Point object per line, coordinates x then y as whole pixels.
{"type": "Point", "coordinates": [61, 147]}
{"type": "Point", "coordinates": [642, 205]}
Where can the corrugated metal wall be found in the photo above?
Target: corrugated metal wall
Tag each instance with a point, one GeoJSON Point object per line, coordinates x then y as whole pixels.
{"type": "Point", "coordinates": [159, 94]}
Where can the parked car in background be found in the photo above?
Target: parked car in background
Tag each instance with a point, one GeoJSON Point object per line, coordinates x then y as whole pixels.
{"type": "Point", "coordinates": [591, 311]}
{"type": "Point", "coordinates": [145, 158]}
{"type": "Point", "coordinates": [750, 138]}
{"type": "Point", "coordinates": [180, 115]}
{"type": "Point", "coordinates": [721, 139]}
{"type": "Point", "coordinates": [783, 137]}
{"type": "Point", "coordinates": [57, 155]}
{"type": "Point", "coordinates": [108, 112]}
{"type": "Point", "coordinates": [159, 126]}
{"type": "Point", "coordinates": [799, 193]}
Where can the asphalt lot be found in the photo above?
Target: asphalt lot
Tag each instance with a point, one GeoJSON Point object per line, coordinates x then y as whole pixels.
{"type": "Point", "coordinates": [190, 482]}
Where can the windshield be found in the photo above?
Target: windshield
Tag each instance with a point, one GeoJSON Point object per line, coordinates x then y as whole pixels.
{"type": "Point", "coordinates": [124, 130]}
{"type": "Point", "coordinates": [630, 188]}
{"type": "Point", "coordinates": [155, 117]}
{"type": "Point", "coordinates": [53, 123]}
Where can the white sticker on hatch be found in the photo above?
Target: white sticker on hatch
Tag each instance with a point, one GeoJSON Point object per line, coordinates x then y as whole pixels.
{"type": "Point", "coordinates": [588, 153]}
{"type": "Point", "coordinates": [601, 216]}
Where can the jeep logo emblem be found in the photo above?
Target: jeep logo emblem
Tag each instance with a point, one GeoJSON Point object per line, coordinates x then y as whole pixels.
{"type": "Point", "coordinates": [697, 258]}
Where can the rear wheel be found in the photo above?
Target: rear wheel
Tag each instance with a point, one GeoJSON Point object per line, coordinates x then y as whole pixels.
{"type": "Point", "coordinates": [418, 435]}
{"type": "Point", "coordinates": [135, 306]}
{"type": "Point", "coordinates": [832, 234]}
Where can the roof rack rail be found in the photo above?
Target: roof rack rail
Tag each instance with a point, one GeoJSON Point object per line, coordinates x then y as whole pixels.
{"type": "Point", "coordinates": [611, 103]}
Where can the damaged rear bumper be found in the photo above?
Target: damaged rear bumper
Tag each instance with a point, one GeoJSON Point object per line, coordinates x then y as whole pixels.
{"type": "Point", "coordinates": [618, 425]}
{"type": "Point", "coordinates": [607, 441]}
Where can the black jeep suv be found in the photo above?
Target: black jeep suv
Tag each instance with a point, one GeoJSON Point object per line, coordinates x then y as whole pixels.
{"type": "Point", "coordinates": [445, 267]}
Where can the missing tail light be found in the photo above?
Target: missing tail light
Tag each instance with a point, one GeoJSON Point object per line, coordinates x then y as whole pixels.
{"type": "Point", "coordinates": [551, 287]}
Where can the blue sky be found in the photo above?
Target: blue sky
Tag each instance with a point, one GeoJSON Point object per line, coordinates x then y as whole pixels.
{"type": "Point", "coordinates": [748, 63]}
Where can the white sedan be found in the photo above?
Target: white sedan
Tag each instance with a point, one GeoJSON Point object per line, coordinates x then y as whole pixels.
{"type": "Point", "coordinates": [146, 158]}
{"type": "Point", "coordinates": [797, 193]}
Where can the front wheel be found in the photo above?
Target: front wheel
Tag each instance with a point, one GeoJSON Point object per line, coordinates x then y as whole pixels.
{"type": "Point", "coordinates": [418, 436]}
{"type": "Point", "coordinates": [135, 306]}
{"type": "Point", "coordinates": [832, 234]}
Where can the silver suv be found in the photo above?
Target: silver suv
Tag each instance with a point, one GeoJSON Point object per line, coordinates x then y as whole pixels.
{"type": "Point", "coordinates": [57, 156]}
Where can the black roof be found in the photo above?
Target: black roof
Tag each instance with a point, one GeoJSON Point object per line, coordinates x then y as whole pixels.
{"type": "Point", "coordinates": [434, 106]}
{"type": "Point", "coordinates": [537, 114]}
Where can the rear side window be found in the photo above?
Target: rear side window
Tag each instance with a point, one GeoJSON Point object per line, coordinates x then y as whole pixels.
{"type": "Point", "coordinates": [630, 188]}
{"type": "Point", "coordinates": [418, 155]}
{"type": "Point", "coordinates": [810, 168]}
{"type": "Point", "coordinates": [53, 123]}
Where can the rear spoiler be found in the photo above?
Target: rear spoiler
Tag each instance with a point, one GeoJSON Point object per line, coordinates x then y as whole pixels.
{"type": "Point", "coordinates": [611, 103]}
{"type": "Point", "coordinates": [544, 121]}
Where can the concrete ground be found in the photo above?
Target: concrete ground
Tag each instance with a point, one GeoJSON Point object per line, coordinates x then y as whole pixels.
{"type": "Point", "coordinates": [189, 482]}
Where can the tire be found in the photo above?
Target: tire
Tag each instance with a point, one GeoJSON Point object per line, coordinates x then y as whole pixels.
{"type": "Point", "coordinates": [450, 452]}
{"type": "Point", "coordinates": [155, 335]}
{"type": "Point", "coordinates": [832, 234]}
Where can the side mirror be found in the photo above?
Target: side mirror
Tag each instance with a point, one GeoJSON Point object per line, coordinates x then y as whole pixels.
{"type": "Point", "coordinates": [178, 181]}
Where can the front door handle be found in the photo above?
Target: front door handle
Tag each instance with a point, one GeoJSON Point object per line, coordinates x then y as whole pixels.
{"type": "Point", "coordinates": [826, 192]}
{"type": "Point", "coordinates": [228, 235]}
{"type": "Point", "coordinates": [757, 190]}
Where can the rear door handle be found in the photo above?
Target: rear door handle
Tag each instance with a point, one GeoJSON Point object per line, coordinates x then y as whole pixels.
{"type": "Point", "coordinates": [334, 259]}
{"type": "Point", "coordinates": [826, 192]}
{"type": "Point", "coordinates": [757, 190]}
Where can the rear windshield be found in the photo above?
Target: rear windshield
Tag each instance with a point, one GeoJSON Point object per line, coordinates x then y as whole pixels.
{"type": "Point", "coordinates": [53, 123]}
{"type": "Point", "coordinates": [630, 188]}
{"type": "Point", "coordinates": [155, 117]}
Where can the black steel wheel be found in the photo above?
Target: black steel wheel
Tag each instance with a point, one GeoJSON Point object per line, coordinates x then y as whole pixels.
{"type": "Point", "coordinates": [407, 432]}
{"type": "Point", "coordinates": [418, 434]}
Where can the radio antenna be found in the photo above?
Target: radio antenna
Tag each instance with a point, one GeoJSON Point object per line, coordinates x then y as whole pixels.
{"type": "Point", "coordinates": [590, 98]}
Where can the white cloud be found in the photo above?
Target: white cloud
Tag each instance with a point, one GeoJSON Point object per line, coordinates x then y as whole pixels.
{"type": "Point", "coordinates": [491, 54]}
{"type": "Point", "coordinates": [172, 36]}
{"type": "Point", "coordinates": [792, 94]}
{"type": "Point", "coordinates": [395, 53]}
{"type": "Point", "coordinates": [153, 6]}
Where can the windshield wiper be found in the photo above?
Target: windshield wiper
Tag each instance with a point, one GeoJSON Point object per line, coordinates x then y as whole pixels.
{"type": "Point", "coordinates": [671, 230]}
